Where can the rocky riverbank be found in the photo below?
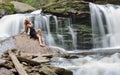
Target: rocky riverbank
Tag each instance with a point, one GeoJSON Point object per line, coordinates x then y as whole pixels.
{"type": "Point", "coordinates": [13, 63]}
{"type": "Point", "coordinates": [30, 59]}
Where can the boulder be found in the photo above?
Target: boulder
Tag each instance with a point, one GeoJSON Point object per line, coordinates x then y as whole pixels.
{"type": "Point", "coordinates": [4, 71]}
{"type": "Point", "coordinates": [2, 61]}
{"type": "Point", "coordinates": [0, 1]}
{"type": "Point", "coordinates": [2, 12]}
{"type": "Point", "coordinates": [22, 7]}
{"type": "Point", "coordinates": [29, 46]}
{"type": "Point", "coordinates": [41, 59]}
{"type": "Point", "coordinates": [67, 8]}
{"type": "Point", "coordinates": [47, 71]}
{"type": "Point", "coordinates": [59, 71]}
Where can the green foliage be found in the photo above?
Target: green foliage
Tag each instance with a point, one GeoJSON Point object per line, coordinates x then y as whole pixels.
{"type": "Point", "coordinates": [9, 7]}
{"type": "Point", "coordinates": [33, 3]}
{"type": "Point", "coordinates": [85, 28]}
{"type": "Point", "coordinates": [2, 5]}
{"type": "Point", "coordinates": [37, 3]}
{"type": "Point", "coordinates": [29, 1]}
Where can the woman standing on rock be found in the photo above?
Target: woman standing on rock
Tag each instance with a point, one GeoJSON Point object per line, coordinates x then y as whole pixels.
{"type": "Point", "coordinates": [35, 34]}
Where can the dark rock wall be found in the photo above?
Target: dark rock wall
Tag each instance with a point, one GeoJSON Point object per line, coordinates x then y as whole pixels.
{"type": "Point", "coordinates": [82, 29]}
{"type": "Point", "coordinates": [78, 12]}
{"type": "Point", "coordinates": [84, 32]}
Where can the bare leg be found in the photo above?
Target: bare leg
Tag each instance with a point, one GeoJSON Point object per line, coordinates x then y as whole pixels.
{"type": "Point", "coordinates": [39, 35]}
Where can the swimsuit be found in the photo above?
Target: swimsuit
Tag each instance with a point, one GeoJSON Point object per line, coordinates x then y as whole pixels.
{"type": "Point", "coordinates": [33, 33]}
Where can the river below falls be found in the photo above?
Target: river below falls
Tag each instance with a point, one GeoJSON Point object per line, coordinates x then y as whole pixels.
{"type": "Point", "coordinates": [91, 64]}
{"type": "Point", "coordinates": [83, 65]}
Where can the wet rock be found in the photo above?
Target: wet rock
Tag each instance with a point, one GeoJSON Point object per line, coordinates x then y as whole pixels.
{"type": "Point", "coordinates": [4, 71]}
{"type": "Point", "coordinates": [47, 71]}
{"type": "Point", "coordinates": [34, 74]}
{"type": "Point", "coordinates": [41, 59]}
{"type": "Point", "coordinates": [60, 71]}
{"type": "Point", "coordinates": [51, 70]}
{"type": "Point", "coordinates": [13, 70]}
{"type": "Point", "coordinates": [2, 61]}
{"type": "Point", "coordinates": [9, 65]}
{"type": "Point", "coordinates": [67, 8]}
{"type": "Point", "coordinates": [2, 12]}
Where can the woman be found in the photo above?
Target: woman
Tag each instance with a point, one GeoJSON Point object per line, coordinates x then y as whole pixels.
{"type": "Point", "coordinates": [35, 34]}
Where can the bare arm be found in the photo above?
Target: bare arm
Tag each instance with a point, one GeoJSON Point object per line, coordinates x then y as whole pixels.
{"type": "Point", "coordinates": [27, 24]}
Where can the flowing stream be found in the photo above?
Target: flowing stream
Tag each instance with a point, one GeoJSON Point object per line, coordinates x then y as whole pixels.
{"type": "Point", "coordinates": [91, 65]}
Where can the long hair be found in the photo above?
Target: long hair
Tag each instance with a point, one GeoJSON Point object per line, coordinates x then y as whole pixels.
{"type": "Point", "coordinates": [27, 21]}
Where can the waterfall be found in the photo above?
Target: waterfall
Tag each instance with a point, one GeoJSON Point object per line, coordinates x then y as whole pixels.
{"type": "Point", "coordinates": [11, 25]}
{"type": "Point", "coordinates": [73, 34]}
{"type": "Point", "coordinates": [59, 36]}
{"type": "Point", "coordinates": [48, 36]}
{"type": "Point", "coordinates": [105, 25]}
{"type": "Point", "coordinates": [56, 31]}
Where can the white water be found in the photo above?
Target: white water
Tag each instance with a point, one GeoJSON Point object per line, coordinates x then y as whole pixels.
{"type": "Point", "coordinates": [106, 34]}
{"type": "Point", "coordinates": [73, 34]}
{"type": "Point", "coordinates": [106, 25]}
{"type": "Point", "coordinates": [91, 65]}
{"type": "Point", "coordinates": [12, 25]}
{"type": "Point", "coordinates": [49, 37]}
{"type": "Point", "coordinates": [59, 36]}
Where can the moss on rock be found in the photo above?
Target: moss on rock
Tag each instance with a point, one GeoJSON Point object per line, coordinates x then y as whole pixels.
{"type": "Point", "coordinates": [66, 7]}
{"type": "Point", "coordinates": [8, 8]}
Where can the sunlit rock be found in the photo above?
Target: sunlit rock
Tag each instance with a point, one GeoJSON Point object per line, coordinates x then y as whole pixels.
{"type": "Point", "coordinates": [22, 7]}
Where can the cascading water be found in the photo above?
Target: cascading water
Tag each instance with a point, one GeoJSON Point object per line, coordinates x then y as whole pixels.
{"type": "Point", "coordinates": [106, 33]}
{"type": "Point", "coordinates": [91, 65]}
{"type": "Point", "coordinates": [11, 25]}
{"type": "Point", "coordinates": [14, 24]}
{"type": "Point", "coordinates": [56, 37]}
{"type": "Point", "coordinates": [43, 22]}
{"type": "Point", "coordinates": [105, 25]}
{"type": "Point", "coordinates": [73, 34]}
{"type": "Point", "coordinates": [59, 36]}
